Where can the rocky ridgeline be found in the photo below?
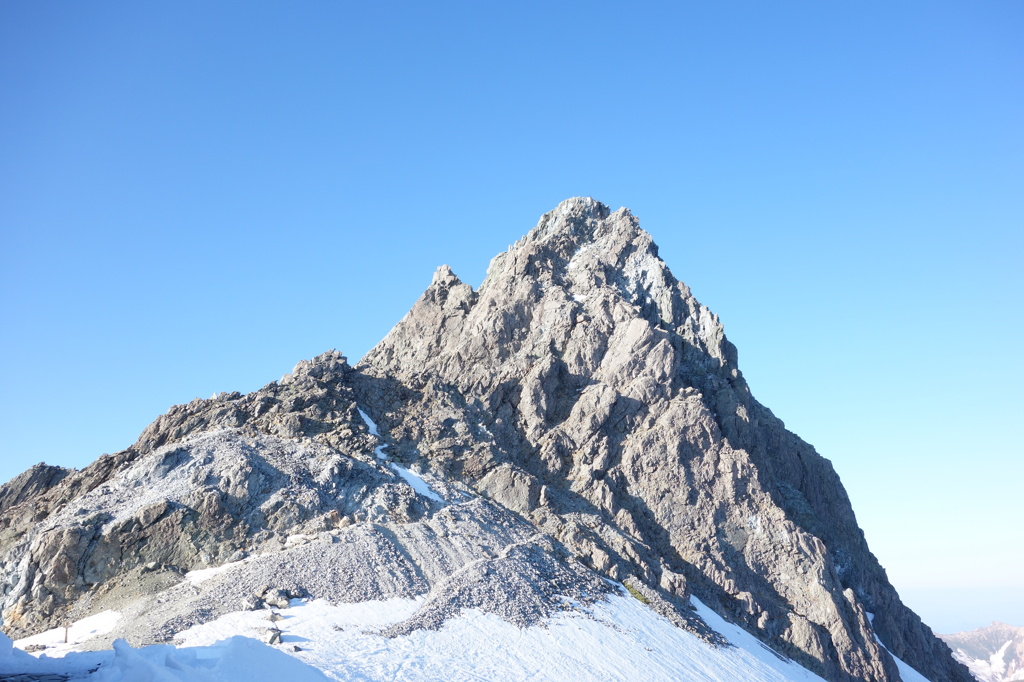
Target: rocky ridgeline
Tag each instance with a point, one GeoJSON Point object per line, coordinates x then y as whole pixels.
{"type": "Point", "coordinates": [581, 416]}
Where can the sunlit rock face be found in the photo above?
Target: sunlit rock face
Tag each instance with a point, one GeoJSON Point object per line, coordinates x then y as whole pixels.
{"type": "Point", "coordinates": [584, 387]}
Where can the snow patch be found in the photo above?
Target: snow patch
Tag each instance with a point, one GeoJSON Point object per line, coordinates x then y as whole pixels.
{"type": "Point", "coordinates": [616, 639]}
{"type": "Point", "coordinates": [298, 539]}
{"type": "Point", "coordinates": [76, 633]}
{"type": "Point", "coordinates": [372, 426]}
{"type": "Point", "coordinates": [582, 249]}
{"type": "Point", "coordinates": [199, 575]}
{"type": "Point", "coordinates": [757, 650]}
{"type": "Point", "coordinates": [237, 659]}
{"type": "Point", "coordinates": [416, 482]}
{"type": "Point", "coordinates": [997, 661]}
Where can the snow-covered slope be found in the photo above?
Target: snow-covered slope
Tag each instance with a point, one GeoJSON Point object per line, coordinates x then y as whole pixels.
{"type": "Point", "coordinates": [618, 638]}
{"type": "Point", "coordinates": [615, 639]}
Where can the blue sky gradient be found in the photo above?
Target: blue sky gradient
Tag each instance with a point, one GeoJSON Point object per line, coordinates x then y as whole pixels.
{"type": "Point", "coordinates": [194, 196]}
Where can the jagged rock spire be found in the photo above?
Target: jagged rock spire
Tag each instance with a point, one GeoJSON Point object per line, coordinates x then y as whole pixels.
{"type": "Point", "coordinates": [584, 387]}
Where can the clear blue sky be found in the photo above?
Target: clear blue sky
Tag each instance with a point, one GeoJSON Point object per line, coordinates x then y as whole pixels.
{"type": "Point", "coordinates": [194, 196]}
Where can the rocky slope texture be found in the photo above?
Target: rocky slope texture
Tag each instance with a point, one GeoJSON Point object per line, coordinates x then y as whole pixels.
{"type": "Point", "coordinates": [288, 490]}
{"type": "Point", "coordinates": [581, 416]}
{"type": "Point", "coordinates": [993, 654]}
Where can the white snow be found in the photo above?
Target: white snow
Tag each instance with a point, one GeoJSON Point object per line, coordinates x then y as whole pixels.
{"type": "Point", "coordinates": [236, 659]}
{"type": "Point", "coordinates": [992, 668]}
{"type": "Point", "coordinates": [298, 539]}
{"type": "Point", "coordinates": [317, 618]}
{"type": "Point", "coordinates": [6, 646]}
{"type": "Point", "coordinates": [616, 639]}
{"type": "Point", "coordinates": [78, 632]}
{"type": "Point", "coordinates": [372, 426]}
{"type": "Point", "coordinates": [199, 575]}
{"type": "Point", "coordinates": [907, 673]}
{"type": "Point", "coordinates": [751, 646]}
{"type": "Point", "coordinates": [997, 661]}
{"type": "Point", "coordinates": [619, 639]}
{"type": "Point", "coordinates": [416, 482]}
{"type": "Point", "coordinates": [582, 249]}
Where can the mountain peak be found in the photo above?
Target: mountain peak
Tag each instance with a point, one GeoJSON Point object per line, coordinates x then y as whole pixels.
{"type": "Point", "coordinates": [581, 418]}
{"type": "Point", "coordinates": [580, 221]}
{"type": "Point", "coordinates": [576, 216]}
{"type": "Point", "coordinates": [585, 388]}
{"type": "Point", "coordinates": [579, 245]}
{"type": "Point", "coordinates": [994, 653]}
{"type": "Point", "coordinates": [444, 276]}
{"type": "Point", "coordinates": [568, 288]}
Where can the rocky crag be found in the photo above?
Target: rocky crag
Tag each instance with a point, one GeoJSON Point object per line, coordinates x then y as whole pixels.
{"type": "Point", "coordinates": [993, 654]}
{"type": "Point", "coordinates": [577, 420]}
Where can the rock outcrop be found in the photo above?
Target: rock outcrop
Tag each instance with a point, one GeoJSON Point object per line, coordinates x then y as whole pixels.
{"type": "Point", "coordinates": [206, 483]}
{"type": "Point", "coordinates": [29, 484]}
{"type": "Point", "coordinates": [579, 419]}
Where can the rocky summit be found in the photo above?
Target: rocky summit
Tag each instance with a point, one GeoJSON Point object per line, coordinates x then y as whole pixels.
{"type": "Point", "coordinates": [577, 424]}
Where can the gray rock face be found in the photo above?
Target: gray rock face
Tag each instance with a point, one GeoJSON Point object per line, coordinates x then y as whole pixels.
{"type": "Point", "coordinates": [585, 388]}
{"type": "Point", "coordinates": [283, 488]}
{"type": "Point", "coordinates": [31, 483]}
{"type": "Point", "coordinates": [206, 482]}
{"type": "Point", "coordinates": [580, 418]}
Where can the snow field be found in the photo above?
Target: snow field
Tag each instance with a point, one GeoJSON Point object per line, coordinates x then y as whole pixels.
{"type": "Point", "coordinates": [617, 639]}
{"type": "Point", "coordinates": [238, 659]}
{"type": "Point", "coordinates": [78, 632]}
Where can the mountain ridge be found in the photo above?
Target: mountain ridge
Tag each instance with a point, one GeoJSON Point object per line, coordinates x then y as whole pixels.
{"type": "Point", "coordinates": [582, 392]}
{"type": "Point", "coordinates": [994, 653]}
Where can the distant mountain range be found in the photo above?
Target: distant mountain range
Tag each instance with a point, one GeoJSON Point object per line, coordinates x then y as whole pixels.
{"type": "Point", "coordinates": [993, 654]}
